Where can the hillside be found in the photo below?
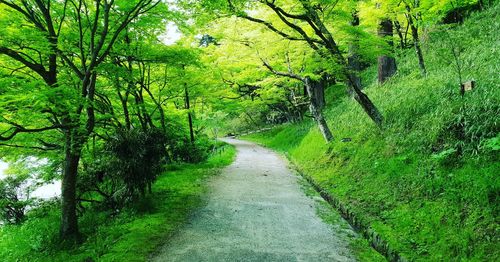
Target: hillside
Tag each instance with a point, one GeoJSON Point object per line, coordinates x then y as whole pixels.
{"type": "Point", "coordinates": [428, 181]}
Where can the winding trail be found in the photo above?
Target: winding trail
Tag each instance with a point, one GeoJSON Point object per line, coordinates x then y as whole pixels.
{"type": "Point", "coordinates": [256, 211]}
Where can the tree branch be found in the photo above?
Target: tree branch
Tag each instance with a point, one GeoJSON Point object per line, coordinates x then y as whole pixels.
{"type": "Point", "coordinates": [278, 73]}
{"type": "Point", "coordinates": [38, 68]}
{"type": "Point", "coordinates": [17, 129]}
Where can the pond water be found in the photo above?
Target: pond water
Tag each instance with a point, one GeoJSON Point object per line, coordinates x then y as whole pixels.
{"type": "Point", "coordinates": [3, 167]}
{"type": "Point", "coordinates": [46, 191]}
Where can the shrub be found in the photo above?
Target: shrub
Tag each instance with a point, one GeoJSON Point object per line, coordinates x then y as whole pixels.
{"type": "Point", "coordinates": [13, 202]}
{"type": "Point", "coordinates": [192, 152]}
{"type": "Point", "coordinates": [128, 164]}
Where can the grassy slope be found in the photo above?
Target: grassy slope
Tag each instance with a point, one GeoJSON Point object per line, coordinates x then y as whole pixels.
{"type": "Point", "coordinates": [429, 181]}
{"type": "Point", "coordinates": [130, 236]}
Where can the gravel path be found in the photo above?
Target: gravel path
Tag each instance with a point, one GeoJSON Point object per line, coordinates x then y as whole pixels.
{"type": "Point", "coordinates": [256, 211]}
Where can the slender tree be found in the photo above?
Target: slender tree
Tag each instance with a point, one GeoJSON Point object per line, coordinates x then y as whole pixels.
{"type": "Point", "coordinates": [412, 18]}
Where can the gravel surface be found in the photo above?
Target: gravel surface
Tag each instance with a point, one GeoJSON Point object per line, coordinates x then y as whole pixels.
{"type": "Point", "coordinates": [256, 211]}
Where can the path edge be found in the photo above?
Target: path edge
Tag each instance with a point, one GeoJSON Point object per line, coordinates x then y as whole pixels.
{"type": "Point", "coordinates": [374, 238]}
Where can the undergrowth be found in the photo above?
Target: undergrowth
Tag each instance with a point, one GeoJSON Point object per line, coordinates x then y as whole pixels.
{"type": "Point", "coordinates": [428, 181]}
{"type": "Point", "coordinates": [130, 235]}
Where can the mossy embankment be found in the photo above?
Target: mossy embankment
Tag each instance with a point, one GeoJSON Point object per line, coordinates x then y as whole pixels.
{"type": "Point", "coordinates": [130, 235]}
{"type": "Point", "coordinates": [428, 181]}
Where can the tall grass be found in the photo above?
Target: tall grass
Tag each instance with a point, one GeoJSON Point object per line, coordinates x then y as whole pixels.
{"type": "Point", "coordinates": [428, 181]}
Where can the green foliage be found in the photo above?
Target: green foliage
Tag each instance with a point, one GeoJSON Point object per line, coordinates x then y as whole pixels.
{"type": "Point", "coordinates": [100, 78]}
{"type": "Point", "coordinates": [428, 182]}
{"type": "Point", "coordinates": [130, 235]}
{"type": "Point", "coordinates": [136, 157]}
{"type": "Point", "coordinates": [13, 199]}
{"type": "Point", "coordinates": [193, 152]}
{"type": "Point", "coordinates": [492, 144]}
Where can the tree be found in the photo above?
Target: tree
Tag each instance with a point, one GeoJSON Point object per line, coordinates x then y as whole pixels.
{"type": "Point", "coordinates": [80, 44]}
{"type": "Point", "coordinates": [314, 104]}
{"type": "Point", "coordinates": [302, 18]}
{"type": "Point", "coordinates": [354, 60]}
{"type": "Point", "coordinates": [386, 63]}
{"type": "Point", "coordinates": [283, 98]}
{"type": "Point", "coordinates": [13, 199]}
{"type": "Point", "coordinates": [413, 17]}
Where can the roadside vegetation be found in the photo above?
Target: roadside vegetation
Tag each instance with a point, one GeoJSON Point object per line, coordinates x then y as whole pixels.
{"type": "Point", "coordinates": [428, 181]}
{"type": "Point", "coordinates": [130, 234]}
{"type": "Point", "coordinates": [390, 105]}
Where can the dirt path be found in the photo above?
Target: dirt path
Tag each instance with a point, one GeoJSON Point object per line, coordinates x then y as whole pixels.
{"type": "Point", "coordinates": [256, 211]}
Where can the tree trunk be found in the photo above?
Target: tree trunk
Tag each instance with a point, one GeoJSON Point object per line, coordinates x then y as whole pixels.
{"type": "Point", "coordinates": [162, 119]}
{"type": "Point", "coordinates": [351, 79]}
{"type": "Point", "coordinates": [316, 111]}
{"type": "Point", "coordinates": [69, 221]}
{"type": "Point", "coordinates": [190, 117]}
{"type": "Point", "coordinates": [126, 114]}
{"type": "Point", "coordinates": [386, 63]}
{"type": "Point", "coordinates": [416, 41]}
{"type": "Point", "coordinates": [402, 40]}
{"type": "Point", "coordinates": [365, 101]}
{"type": "Point", "coordinates": [318, 88]}
{"type": "Point", "coordinates": [354, 59]}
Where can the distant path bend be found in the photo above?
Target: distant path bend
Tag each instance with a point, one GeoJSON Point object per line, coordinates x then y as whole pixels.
{"type": "Point", "coordinates": [256, 211]}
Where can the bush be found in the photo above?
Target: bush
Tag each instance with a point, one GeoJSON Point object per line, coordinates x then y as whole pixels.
{"type": "Point", "coordinates": [137, 158]}
{"type": "Point", "coordinates": [127, 165]}
{"type": "Point", "coordinates": [187, 151]}
{"type": "Point", "coordinates": [13, 201]}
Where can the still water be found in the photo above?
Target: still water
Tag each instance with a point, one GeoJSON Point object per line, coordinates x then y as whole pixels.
{"type": "Point", "coordinates": [45, 191]}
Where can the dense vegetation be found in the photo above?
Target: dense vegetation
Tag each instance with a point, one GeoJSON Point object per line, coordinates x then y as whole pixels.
{"type": "Point", "coordinates": [403, 94]}
{"type": "Point", "coordinates": [91, 95]}
{"type": "Point", "coordinates": [130, 235]}
{"type": "Point", "coordinates": [428, 182]}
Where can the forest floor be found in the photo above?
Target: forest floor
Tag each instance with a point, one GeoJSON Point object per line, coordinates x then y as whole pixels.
{"type": "Point", "coordinates": [258, 210]}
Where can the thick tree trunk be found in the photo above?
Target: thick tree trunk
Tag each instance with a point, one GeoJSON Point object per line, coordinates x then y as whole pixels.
{"type": "Point", "coordinates": [69, 221]}
{"type": "Point", "coordinates": [386, 63]}
{"type": "Point", "coordinates": [316, 111]}
{"type": "Point", "coordinates": [318, 88]}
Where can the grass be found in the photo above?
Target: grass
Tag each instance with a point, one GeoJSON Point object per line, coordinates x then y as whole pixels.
{"type": "Point", "coordinates": [428, 182]}
{"type": "Point", "coordinates": [132, 235]}
{"type": "Point", "coordinates": [358, 245]}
